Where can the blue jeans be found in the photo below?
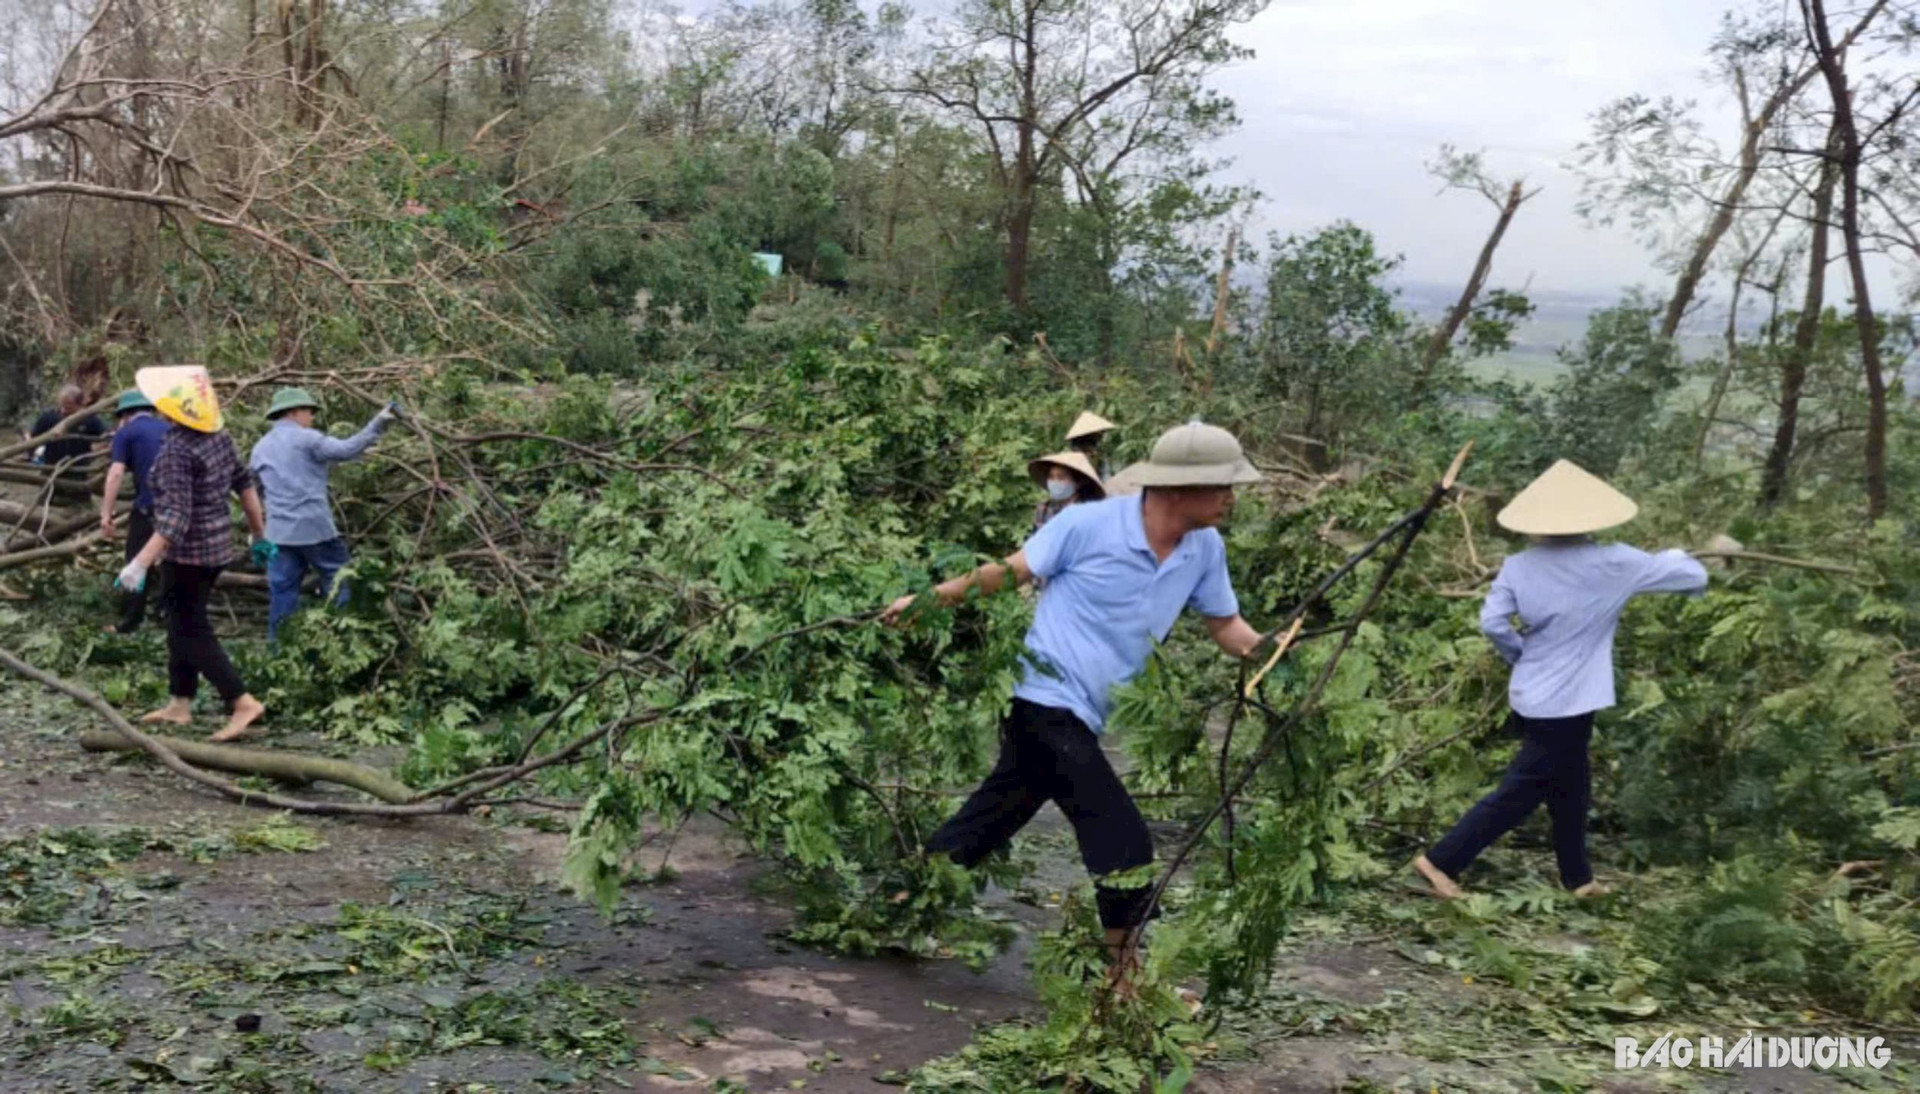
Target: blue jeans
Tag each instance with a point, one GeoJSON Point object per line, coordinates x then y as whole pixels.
{"type": "Point", "coordinates": [289, 568]}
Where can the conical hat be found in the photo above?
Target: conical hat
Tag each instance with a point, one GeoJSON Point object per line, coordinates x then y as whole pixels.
{"type": "Point", "coordinates": [1072, 461]}
{"type": "Point", "coordinates": [1567, 500]}
{"type": "Point", "coordinates": [1088, 424]}
{"type": "Point", "coordinates": [184, 393]}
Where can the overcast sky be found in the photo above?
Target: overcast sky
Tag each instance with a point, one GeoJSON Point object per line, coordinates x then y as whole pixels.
{"type": "Point", "coordinates": [1347, 100]}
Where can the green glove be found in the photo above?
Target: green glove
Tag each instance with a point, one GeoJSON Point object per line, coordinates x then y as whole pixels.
{"type": "Point", "coordinates": [264, 552]}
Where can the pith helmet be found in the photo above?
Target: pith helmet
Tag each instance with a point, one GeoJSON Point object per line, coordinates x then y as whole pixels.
{"type": "Point", "coordinates": [1566, 500]}
{"type": "Point", "coordinates": [131, 401]}
{"type": "Point", "coordinates": [1072, 461]}
{"type": "Point", "coordinates": [291, 398]}
{"type": "Point", "coordinates": [184, 394]}
{"type": "Point", "coordinates": [1088, 425]}
{"type": "Point", "coordinates": [1195, 454]}
{"type": "Point", "coordinates": [1125, 481]}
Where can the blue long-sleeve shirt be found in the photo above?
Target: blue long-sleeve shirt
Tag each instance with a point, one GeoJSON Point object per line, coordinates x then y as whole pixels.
{"type": "Point", "coordinates": [292, 462]}
{"type": "Point", "coordinates": [1568, 598]}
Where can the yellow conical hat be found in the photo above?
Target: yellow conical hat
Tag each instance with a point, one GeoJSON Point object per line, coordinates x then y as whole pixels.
{"type": "Point", "coordinates": [184, 394]}
{"type": "Point", "coordinates": [1566, 500]}
{"type": "Point", "coordinates": [1088, 424]}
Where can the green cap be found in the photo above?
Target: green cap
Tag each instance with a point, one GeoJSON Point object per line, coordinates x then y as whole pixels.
{"type": "Point", "coordinates": [131, 401]}
{"type": "Point", "coordinates": [290, 398]}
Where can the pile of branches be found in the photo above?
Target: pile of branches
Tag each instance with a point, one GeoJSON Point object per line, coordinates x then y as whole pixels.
{"type": "Point", "coordinates": [437, 487]}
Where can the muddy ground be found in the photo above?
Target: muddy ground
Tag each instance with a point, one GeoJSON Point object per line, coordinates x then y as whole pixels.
{"type": "Point", "coordinates": [154, 937]}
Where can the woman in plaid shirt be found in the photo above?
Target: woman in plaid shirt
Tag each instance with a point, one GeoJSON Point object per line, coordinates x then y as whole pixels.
{"type": "Point", "coordinates": [193, 532]}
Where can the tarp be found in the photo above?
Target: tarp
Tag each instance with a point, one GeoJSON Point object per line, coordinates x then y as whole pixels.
{"type": "Point", "coordinates": [770, 262]}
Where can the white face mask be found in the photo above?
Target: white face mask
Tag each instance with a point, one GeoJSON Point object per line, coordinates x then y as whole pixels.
{"type": "Point", "coordinates": [1060, 491]}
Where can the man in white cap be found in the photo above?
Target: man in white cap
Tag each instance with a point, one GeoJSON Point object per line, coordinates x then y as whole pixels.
{"type": "Point", "coordinates": [1567, 591]}
{"type": "Point", "coordinates": [1119, 572]}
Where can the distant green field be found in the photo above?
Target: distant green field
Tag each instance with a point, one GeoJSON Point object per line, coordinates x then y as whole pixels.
{"type": "Point", "coordinates": [1534, 359]}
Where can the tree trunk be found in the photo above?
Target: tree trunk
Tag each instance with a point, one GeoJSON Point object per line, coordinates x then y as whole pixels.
{"type": "Point", "coordinates": [1806, 333]}
{"type": "Point", "coordinates": [1849, 139]}
{"type": "Point", "coordinates": [1020, 223]}
{"type": "Point", "coordinates": [296, 768]}
{"type": "Point", "coordinates": [446, 94]}
{"type": "Point", "coordinates": [1026, 164]}
{"type": "Point", "coordinates": [1721, 379]}
{"type": "Point", "coordinates": [1222, 292]}
{"type": "Point", "coordinates": [1724, 378]}
{"type": "Point", "coordinates": [1456, 315]}
{"type": "Point", "coordinates": [894, 198]}
{"type": "Point", "coordinates": [1724, 211]}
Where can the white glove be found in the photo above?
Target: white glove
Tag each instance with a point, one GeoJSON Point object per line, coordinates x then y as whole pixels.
{"type": "Point", "coordinates": [133, 577]}
{"type": "Point", "coordinates": [388, 413]}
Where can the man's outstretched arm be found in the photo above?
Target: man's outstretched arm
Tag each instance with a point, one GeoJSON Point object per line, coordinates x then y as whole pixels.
{"type": "Point", "coordinates": [989, 579]}
{"type": "Point", "coordinates": [1235, 635]}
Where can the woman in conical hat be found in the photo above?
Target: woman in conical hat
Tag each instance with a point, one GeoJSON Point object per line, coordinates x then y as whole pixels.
{"type": "Point", "coordinates": [1068, 479]}
{"type": "Point", "coordinates": [1566, 592]}
{"type": "Point", "coordinates": [1084, 437]}
{"type": "Point", "coordinates": [197, 468]}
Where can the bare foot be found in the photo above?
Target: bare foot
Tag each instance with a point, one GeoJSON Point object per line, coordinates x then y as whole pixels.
{"type": "Point", "coordinates": [246, 711]}
{"type": "Point", "coordinates": [177, 712]}
{"type": "Point", "coordinates": [1123, 980]}
{"type": "Point", "coordinates": [1443, 886]}
{"type": "Point", "coordinates": [1593, 889]}
{"type": "Point", "coordinates": [1192, 1000]}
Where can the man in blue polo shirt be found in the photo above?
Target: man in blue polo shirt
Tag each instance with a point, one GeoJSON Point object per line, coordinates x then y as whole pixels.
{"type": "Point", "coordinates": [1119, 573]}
{"type": "Point", "coordinates": [136, 442]}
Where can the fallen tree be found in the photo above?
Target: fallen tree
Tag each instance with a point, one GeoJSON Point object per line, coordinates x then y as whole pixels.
{"type": "Point", "coordinates": [294, 768]}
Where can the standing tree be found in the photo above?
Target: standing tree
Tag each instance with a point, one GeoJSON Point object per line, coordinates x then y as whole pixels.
{"type": "Point", "coordinates": [1651, 161]}
{"type": "Point", "coordinates": [1466, 171]}
{"type": "Point", "coordinates": [1793, 365]}
{"type": "Point", "coordinates": [1331, 337]}
{"type": "Point", "coordinates": [1034, 77]}
{"type": "Point", "coordinates": [1744, 51]}
{"type": "Point", "coordinates": [1851, 145]}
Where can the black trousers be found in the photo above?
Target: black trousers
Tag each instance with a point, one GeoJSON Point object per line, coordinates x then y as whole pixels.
{"type": "Point", "coordinates": [1047, 754]}
{"type": "Point", "coordinates": [133, 610]}
{"type": "Point", "coordinates": [1551, 768]}
{"type": "Point", "coordinates": [193, 650]}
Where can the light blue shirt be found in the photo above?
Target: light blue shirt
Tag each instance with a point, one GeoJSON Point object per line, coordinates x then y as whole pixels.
{"type": "Point", "coordinates": [292, 462]}
{"type": "Point", "coordinates": [1109, 601]}
{"type": "Point", "coordinates": [1568, 598]}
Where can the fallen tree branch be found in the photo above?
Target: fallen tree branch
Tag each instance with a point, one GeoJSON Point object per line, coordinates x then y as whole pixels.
{"type": "Point", "coordinates": [1289, 629]}
{"type": "Point", "coordinates": [1280, 727]}
{"type": "Point", "coordinates": [1748, 556]}
{"type": "Point", "coordinates": [1780, 560]}
{"type": "Point", "coordinates": [224, 787]}
{"type": "Point", "coordinates": [288, 767]}
{"type": "Point", "coordinates": [46, 554]}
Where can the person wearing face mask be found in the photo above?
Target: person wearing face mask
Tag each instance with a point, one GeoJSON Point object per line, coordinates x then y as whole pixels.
{"type": "Point", "coordinates": [1068, 478]}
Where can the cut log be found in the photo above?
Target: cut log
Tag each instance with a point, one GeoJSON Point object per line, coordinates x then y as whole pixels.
{"type": "Point", "coordinates": [44, 554]}
{"type": "Point", "coordinates": [296, 768]}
